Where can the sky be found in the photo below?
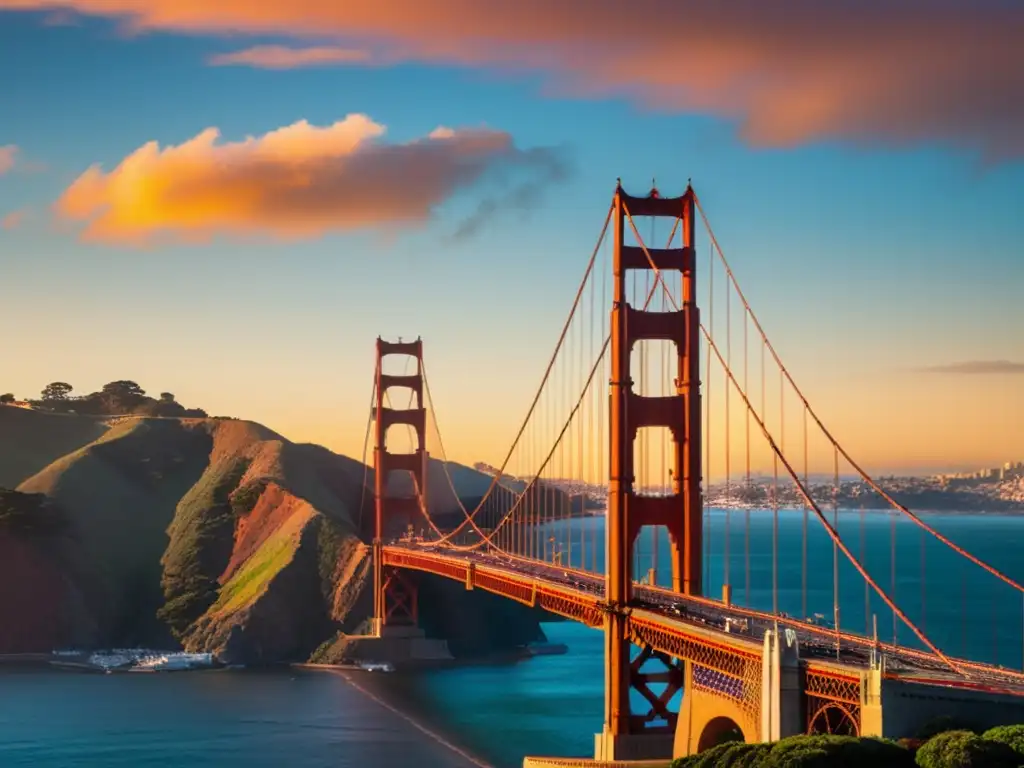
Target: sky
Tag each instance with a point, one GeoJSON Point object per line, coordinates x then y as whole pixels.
{"type": "Point", "coordinates": [231, 201]}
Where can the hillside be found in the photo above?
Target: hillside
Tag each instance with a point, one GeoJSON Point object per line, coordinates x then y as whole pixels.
{"type": "Point", "coordinates": [37, 548]}
{"type": "Point", "coordinates": [30, 440]}
{"type": "Point", "coordinates": [218, 534]}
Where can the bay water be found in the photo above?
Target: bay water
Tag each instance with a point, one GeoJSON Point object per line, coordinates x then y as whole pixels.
{"type": "Point", "coordinates": [552, 705]}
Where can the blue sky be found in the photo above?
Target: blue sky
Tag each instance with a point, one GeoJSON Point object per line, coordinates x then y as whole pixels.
{"type": "Point", "coordinates": [864, 260]}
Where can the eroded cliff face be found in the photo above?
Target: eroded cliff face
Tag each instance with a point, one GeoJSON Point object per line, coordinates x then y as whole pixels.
{"type": "Point", "coordinates": [225, 537]}
{"type": "Point", "coordinates": [297, 577]}
{"type": "Point", "coordinates": [276, 594]}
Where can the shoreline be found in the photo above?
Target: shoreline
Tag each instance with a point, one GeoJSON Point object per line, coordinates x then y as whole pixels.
{"type": "Point", "coordinates": [387, 690]}
{"type": "Point", "coordinates": [374, 686]}
{"type": "Point", "coordinates": [1015, 512]}
{"type": "Point", "coordinates": [433, 731]}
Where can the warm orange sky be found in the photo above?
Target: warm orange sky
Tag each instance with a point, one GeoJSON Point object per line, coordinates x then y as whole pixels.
{"type": "Point", "coordinates": [231, 200]}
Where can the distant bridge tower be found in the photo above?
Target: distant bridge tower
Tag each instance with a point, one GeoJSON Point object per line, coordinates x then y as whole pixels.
{"type": "Point", "coordinates": [627, 735]}
{"type": "Point", "coordinates": [395, 598]}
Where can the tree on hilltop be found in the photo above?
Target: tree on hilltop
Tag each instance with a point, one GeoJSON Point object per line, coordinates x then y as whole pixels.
{"type": "Point", "coordinates": [56, 391]}
{"type": "Point", "coordinates": [167, 397]}
{"type": "Point", "coordinates": [123, 396]}
{"type": "Point", "coordinates": [7, 397]}
{"type": "Point", "coordinates": [124, 390]}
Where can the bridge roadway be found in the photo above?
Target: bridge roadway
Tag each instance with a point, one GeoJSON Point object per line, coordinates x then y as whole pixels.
{"type": "Point", "coordinates": [582, 595]}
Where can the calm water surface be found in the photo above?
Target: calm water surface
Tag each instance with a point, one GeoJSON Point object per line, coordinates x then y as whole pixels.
{"type": "Point", "coordinates": [547, 705]}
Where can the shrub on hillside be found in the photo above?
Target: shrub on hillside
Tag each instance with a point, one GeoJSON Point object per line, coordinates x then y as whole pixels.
{"type": "Point", "coordinates": [815, 751]}
{"type": "Point", "coordinates": [752, 757]}
{"type": "Point", "coordinates": [31, 514]}
{"type": "Point", "coordinates": [1010, 735]}
{"type": "Point", "coordinates": [245, 497]}
{"type": "Point", "coordinates": [201, 541]}
{"type": "Point", "coordinates": [964, 749]}
{"type": "Point", "coordinates": [329, 536]}
{"type": "Point", "coordinates": [732, 754]}
{"type": "Point", "coordinates": [835, 751]}
{"type": "Point", "coordinates": [944, 724]}
{"type": "Point", "coordinates": [910, 744]}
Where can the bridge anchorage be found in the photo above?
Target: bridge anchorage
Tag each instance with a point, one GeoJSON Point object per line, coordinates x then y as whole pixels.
{"type": "Point", "coordinates": [697, 656]}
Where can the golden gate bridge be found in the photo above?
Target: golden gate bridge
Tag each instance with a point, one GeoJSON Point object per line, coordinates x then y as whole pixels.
{"type": "Point", "coordinates": [653, 389]}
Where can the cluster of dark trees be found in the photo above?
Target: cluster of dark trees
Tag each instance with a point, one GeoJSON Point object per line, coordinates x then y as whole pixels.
{"type": "Point", "coordinates": [30, 513]}
{"type": "Point", "coordinates": [114, 399]}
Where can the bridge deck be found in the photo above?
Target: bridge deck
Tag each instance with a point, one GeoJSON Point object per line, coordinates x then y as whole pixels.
{"type": "Point", "coordinates": [668, 619]}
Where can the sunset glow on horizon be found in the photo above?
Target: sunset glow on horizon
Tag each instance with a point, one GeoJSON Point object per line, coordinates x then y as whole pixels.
{"type": "Point", "coordinates": [232, 201]}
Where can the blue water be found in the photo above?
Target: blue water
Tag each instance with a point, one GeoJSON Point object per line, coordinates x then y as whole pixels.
{"type": "Point", "coordinates": [222, 718]}
{"type": "Point", "coordinates": [547, 705]}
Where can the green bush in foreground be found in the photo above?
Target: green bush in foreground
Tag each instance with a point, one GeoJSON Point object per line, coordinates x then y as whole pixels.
{"type": "Point", "coordinates": [1000, 747]}
{"type": "Point", "coordinates": [817, 751]}
{"type": "Point", "coordinates": [944, 724]}
{"type": "Point", "coordinates": [963, 749]}
{"type": "Point", "coordinates": [1010, 735]}
{"type": "Point", "coordinates": [731, 754]}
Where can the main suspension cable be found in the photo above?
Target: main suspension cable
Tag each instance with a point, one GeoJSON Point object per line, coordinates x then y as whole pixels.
{"type": "Point", "coordinates": [828, 435]}
{"type": "Point", "coordinates": [832, 532]}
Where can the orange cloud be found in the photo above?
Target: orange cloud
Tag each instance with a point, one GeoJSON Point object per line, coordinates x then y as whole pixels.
{"type": "Point", "coordinates": [789, 71]}
{"type": "Point", "coordinates": [8, 156]}
{"type": "Point", "coordinates": [14, 219]}
{"type": "Point", "coordinates": [282, 57]}
{"type": "Point", "coordinates": [296, 182]}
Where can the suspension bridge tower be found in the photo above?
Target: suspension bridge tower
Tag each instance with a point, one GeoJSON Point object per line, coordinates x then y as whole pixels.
{"type": "Point", "coordinates": [395, 599]}
{"type": "Point", "coordinates": [628, 735]}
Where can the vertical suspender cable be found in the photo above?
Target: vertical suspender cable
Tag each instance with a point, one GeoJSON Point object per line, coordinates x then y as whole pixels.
{"type": "Point", "coordinates": [746, 505]}
{"type": "Point", "coordinates": [892, 572]}
{"type": "Point", "coordinates": [924, 579]}
{"type": "Point", "coordinates": [867, 587]}
{"type": "Point", "coordinates": [728, 473]}
{"type": "Point", "coordinates": [707, 427]}
{"type": "Point", "coordinates": [835, 548]}
{"type": "Point", "coordinates": [775, 536]}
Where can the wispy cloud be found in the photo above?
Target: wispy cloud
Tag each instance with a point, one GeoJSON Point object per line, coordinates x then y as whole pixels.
{"type": "Point", "coordinates": [788, 72]}
{"type": "Point", "coordinates": [8, 157]}
{"type": "Point", "coordinates": [977, 367]}
{"type": "Point", "coordinates": [283, 57]}
{"type": "Point", "coordinates": [300, 181]}
{"type": "Point", "coordinates": [521, 197]}
{"type": "Point", "coordinates": [14, 219]}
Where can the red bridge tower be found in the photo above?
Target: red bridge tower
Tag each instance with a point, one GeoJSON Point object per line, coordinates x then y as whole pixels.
{"type": "Point", "coordinates": [395, 594]}
{"type": "Point", "coordinates": [628, 735]}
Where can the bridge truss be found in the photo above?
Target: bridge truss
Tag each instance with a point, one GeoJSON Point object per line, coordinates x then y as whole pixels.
{"type": "Point", "coordinates": [670, 469]}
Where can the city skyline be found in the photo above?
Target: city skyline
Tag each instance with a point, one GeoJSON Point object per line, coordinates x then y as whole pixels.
{"type": "Point", "coordinates": [453, 189]}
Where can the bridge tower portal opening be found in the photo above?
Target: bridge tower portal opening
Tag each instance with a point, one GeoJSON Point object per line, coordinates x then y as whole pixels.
{"type": "Point", "coordinates": [395, 600]}
{"type": "Point", "coordinates": [628, 735]}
